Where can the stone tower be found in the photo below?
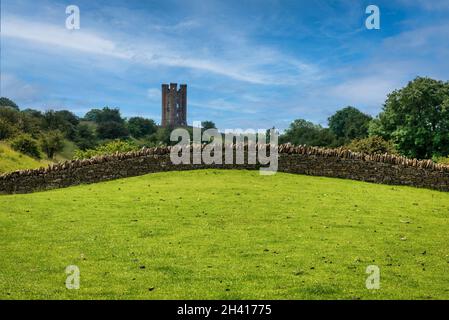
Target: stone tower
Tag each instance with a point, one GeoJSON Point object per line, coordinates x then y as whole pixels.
{"type": "Point", "coordinates": [174, 105]}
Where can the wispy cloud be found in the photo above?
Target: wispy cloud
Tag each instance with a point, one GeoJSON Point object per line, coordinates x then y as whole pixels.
{"type": "Point", "coordinates": [431, 5]}
{"type": "Point", "coordinates": [250, 63]}
{"type": "Point", "coordinates": [432, 39]}
{"type": "Point", "coordinates": [368, 91]}
{"type": "Point", "coordinates": [181, 26]}
{"type": "Point", "coordinates": [51, 35]}
{"type": "Point", "coordinates": [266, 66]}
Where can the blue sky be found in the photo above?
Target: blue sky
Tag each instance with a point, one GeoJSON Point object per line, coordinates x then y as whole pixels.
{"type": "Point", "coordinates": [247, 64]}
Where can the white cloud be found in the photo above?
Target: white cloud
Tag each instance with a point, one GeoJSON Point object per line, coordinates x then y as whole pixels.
{"type": "Point", "coordinates": [53, 35]}
{"type": "Point", "coordinates": [433, 39]}
{"type": "Point", "coordinates": [256, 65]}
{"type": "Point", "coordinates": [182, 26]}
{"type": "Point", "coordinates": [365, 91]}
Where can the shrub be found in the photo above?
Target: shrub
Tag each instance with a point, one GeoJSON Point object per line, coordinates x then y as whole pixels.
{"type": "Point", "coordinates": [371, 145]}
{"type": "Point", "coordinates": [105, 149]}
{"type": "Point", "coordinates": [442, 160]}
{"type": "Point", "coordinates": [139, 127]}
{"type": "Point", "coordinates": [26, 144]}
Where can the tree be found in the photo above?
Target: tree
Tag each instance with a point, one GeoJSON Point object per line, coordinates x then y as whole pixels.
{"type": "Point", "coordinates": [161, 136]}
{"type": "Point", "coordinates": [10, 121]}
{"type": "Point", "coordinates": [326, 138]}
{"type": "Point", "coordinates": [85, 137]}
{"type": "Point", "coordinates": [31, 122]}
{"type": "Point", "coordinates": [63, 121]}
{"type": "Point", "coordinates": [10, 115]}
{"type": "Point", "coordinates": [268, 135]}
{"type": "Point", "coordinates": [139, 127]}
{"type": "Point", "coordinates": [302, 131]}
{"type": "Point", "coordinates": [7, 130]}
{"type": "Point", "coordinates": [92, 115]}
{"type": "Point", "coordinates": [349, 123]}
{"type": "Point", "coordinates": [26, 144]}
{"type": "Point", "coordinates": [68, 117]}
{"type": "Point", "coordinates": [112, 130]}
{"type": "Point", "coordinates": [111, 125]}
{"type": "Point", "coordinates": [33, 113]}
{"type": "Point", "coordinates": [208, 125]}
{"type": "Point", "coordinates": [52, 142]}
{"type": "Point", "coordinates": [5, 102]}
{"type": "Point", "coordinates": [27, 121]}
{"type": "Point", "coordinates": [105, 115]}
{"type": "Point", "coordinates": [416, 119]}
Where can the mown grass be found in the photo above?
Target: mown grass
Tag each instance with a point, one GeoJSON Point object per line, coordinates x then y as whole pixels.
{"type": "Point", "coordinates": [11, 160]}
{"type": "Point", "coordinates": [225, 235]}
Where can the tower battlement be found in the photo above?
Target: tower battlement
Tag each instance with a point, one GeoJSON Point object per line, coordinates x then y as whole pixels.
{"type": "Point", "coordinates": [174, 105]}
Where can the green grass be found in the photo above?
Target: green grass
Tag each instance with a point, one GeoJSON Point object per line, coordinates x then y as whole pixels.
{"type": "Point", "coordinates": [225, 235]}
{"type": "Point", "coordinates": [11, 160]}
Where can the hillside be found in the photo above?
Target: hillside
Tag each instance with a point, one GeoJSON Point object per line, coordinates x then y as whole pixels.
{"type": "Point", "coordinates": [225, 234]}
{"type": "Point", "coordinates": [11, 160]}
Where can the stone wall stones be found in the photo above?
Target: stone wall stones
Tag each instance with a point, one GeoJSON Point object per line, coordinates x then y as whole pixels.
{"type": "Point", "coordinates": [338, 163]}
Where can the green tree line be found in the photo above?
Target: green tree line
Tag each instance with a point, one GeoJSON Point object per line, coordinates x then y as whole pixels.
{"type": "Point", "coordinates": [414, 122]}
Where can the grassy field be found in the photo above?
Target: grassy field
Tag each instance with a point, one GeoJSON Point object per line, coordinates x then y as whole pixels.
{"type": "Point", "coordinates": [11, 160]}
{"type": "Point", "coordinates": [225, 235]}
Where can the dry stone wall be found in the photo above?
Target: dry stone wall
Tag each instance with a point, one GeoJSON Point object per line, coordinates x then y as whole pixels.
{"type": "Point", "coordinates": [386, 169]}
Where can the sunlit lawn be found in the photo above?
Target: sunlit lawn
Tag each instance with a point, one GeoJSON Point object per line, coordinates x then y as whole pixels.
{"type": "Point", "coordinates": [225, 235]}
